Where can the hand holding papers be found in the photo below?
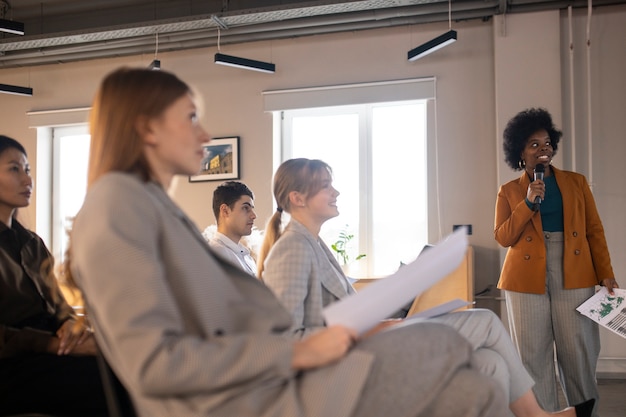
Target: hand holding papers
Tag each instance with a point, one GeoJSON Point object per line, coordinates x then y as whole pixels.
{"type": "Point", "coordinates": [607, 310]}
{"type": "Point", "coordinates": [377, 301]}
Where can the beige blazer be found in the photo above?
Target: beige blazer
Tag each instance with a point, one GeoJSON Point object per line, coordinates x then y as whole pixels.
{"type": "Point", "coordinates": [586, 259]}
{"type": "Point", "coordinates": [305, 277]}
{"type": "Point", "coordinates": [187, 333]}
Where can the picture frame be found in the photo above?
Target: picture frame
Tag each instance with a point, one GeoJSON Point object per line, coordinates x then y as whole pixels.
{"type": "Point", "coordinates": [221, 161]}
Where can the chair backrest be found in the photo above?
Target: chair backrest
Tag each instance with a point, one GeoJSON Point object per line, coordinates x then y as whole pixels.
{"type": "Point", "coordinates": [118, 400]}
{"type": "Point", "coordinates": [458, 284]}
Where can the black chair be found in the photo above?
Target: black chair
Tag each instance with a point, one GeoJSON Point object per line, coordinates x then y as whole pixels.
{"type": "Point", "coordinates": [118, 400]}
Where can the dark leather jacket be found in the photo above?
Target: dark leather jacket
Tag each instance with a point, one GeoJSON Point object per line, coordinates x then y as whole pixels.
{"type": "Point", "coordinates": [31, 305]}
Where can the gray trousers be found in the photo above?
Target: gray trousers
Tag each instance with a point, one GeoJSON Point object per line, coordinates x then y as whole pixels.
{"type": "Point", "coordinates": [426, 369]}
{"type": "Point", "coordinates": [494, 352]}
{"type": "Point", "coordinates": [541, 323]}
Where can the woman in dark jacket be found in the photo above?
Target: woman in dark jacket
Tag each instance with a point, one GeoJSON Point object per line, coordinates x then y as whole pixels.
{"type": "Point", "coordinates": [47, 359]}
{"type": "Point", "coordinates": [557, 254]}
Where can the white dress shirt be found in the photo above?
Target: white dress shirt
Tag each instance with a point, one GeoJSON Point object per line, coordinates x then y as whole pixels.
{"type": "Point", "coordinates": [234, 252]}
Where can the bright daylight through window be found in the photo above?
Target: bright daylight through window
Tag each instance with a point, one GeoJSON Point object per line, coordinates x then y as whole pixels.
{"type": "Point", "coordinates": [69, 167]}
{"type": "Point", "coordinates": [378, 156]}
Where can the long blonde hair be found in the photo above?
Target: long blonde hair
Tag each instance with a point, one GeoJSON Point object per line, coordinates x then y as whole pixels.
{"type": "Point", "coordinates": [303, 175]}
{"type": "Point", "coordinates": [125, 97]}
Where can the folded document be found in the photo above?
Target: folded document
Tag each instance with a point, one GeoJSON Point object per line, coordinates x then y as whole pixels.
{"type": "Point", "coordinates": [607, 310]}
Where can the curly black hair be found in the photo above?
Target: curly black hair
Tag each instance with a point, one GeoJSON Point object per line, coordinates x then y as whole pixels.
{"type": "Point", "coordinates": [520, 128]}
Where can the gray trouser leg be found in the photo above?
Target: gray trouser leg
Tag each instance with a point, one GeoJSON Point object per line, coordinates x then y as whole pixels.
{"type": "Point", "coordinates": [425, 369]}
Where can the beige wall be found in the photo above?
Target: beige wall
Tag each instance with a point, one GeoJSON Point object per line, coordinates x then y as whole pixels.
{"type": "Point", "coordinates": [234, 103]}
{"type": "Point", "coordinates": [482, 80]}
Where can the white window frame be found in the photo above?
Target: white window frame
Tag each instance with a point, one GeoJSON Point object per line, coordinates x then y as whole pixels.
{"type": "Point", "coordinates": [60, 224]}
{"type": "Point", "coordinates": [366, 93]}
{"type": "Point", "coordinates": [45, 122]}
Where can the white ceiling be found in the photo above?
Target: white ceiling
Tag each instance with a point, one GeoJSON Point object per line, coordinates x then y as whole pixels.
{"type": "Point", "coordinates": [71, 30]}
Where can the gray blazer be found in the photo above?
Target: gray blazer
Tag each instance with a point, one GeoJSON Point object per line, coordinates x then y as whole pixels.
{"type": "Point", "coordinates": [305, 276]}
{"type": "Point", "coordinates": [188, 333]}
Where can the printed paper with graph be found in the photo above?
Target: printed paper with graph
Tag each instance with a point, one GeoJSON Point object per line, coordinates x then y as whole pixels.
{"type": "Point", "coordinates": [607, 310]}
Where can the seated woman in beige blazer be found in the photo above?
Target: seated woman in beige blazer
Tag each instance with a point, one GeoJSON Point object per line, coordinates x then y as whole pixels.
{"type": "Point", "coordinates": [190, 334]}
{"type": "Point", "coordinates": [298, 266]}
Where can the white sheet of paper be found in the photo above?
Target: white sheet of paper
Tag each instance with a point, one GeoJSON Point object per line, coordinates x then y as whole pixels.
{"type": "Point", "coordinates": [379, 300]}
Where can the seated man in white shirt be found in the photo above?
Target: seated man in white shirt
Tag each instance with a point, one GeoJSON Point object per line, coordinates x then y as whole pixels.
{"type": "Point", "coordinates": [233, 206]}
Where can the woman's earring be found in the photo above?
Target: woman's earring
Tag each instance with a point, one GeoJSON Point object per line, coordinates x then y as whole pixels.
{"type": "Point", "coordinates": [521, 163]}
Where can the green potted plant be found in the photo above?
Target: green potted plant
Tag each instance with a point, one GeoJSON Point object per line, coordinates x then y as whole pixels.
{"type": "Point", "coordinates": [341, 247]}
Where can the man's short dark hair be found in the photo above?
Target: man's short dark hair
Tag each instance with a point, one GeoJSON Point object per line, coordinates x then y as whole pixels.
{"type": "Point", "coordinates": [229, 193]}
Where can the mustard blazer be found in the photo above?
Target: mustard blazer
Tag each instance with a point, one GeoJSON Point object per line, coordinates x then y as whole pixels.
{"type": "Point", "coordinates": [586, 260]}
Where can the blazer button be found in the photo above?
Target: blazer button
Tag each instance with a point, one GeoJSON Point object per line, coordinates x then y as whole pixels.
{"type": "Point", "coordinates": [575, 234]}
{"type": "Point", "coordinates": [526, 257]}
{"type": "Point", "coordinates": [577, 252]}
{"type": "Point", "coordinates": [218, 332]}
{"type": "Point", "coordinates": [528, 238]}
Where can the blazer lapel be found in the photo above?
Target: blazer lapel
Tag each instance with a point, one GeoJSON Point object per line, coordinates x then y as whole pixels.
{"type": "Point", "coordinates": [161, 196]}
{"type": "Point", "coordinates": [327, 275]}
{"type": "Point", "coordinates": [335, 268]}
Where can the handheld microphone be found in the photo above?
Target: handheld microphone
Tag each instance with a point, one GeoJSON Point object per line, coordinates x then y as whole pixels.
{"type": "Point", "coordinates": [538, 175]}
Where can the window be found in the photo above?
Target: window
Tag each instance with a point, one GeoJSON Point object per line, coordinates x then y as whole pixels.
{"type": "Point", "coordinates": [62, 159]}
{"type": "Point", "coordinates": [379, 160]}
{"type": "Point", "coordinates": [70, 156]}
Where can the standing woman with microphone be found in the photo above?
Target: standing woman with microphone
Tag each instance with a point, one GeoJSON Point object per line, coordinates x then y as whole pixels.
{"type": "Point", "coordinates": [557, 255]}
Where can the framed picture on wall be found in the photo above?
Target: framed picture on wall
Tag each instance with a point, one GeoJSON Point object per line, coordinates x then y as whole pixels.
{"type": "Point", "coordinates": [221, 160]}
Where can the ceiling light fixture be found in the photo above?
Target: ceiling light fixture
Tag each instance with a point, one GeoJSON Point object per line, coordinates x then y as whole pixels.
{"type": "Point", "coordinates": [155, 65]}
{"type": "Point", "coordinates": [437, 43]}
{"type": "Point", "coordinates": [432, 45]}
{"type": "Point", "coordinates": [16, 89]}
{"type": "Point", "coordinates": [243, 63]}
{"type": "Point", "coordinates": [11, 26]}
